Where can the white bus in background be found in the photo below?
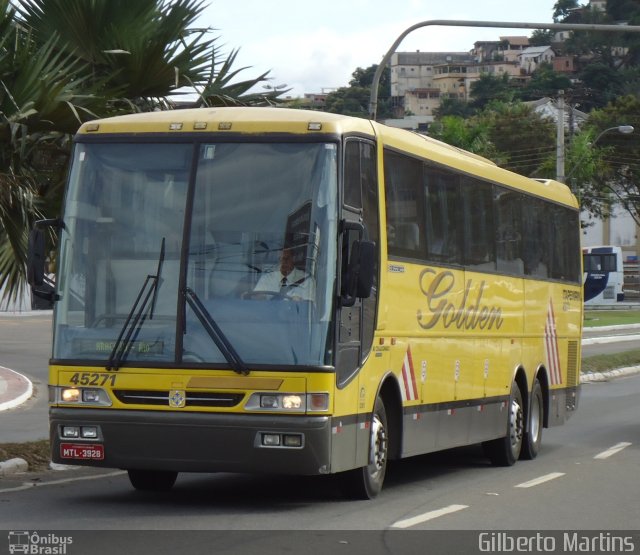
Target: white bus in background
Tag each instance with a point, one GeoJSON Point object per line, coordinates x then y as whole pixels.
{"type": "Point", "coordinates": [603, 275]}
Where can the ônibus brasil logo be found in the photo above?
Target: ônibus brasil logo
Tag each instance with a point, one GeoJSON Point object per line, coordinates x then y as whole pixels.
{"type": "Point", "coordinates": [38, 544]}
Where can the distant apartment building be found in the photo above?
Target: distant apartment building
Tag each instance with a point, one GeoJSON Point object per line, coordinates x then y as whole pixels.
{"type": "Point", "coordinates": [509, 48]}
{"type": "Point", "coordinates": [420, 80]}
{"type": "Point", "coordinates": [315, 100]}
{"type": "Point", "coordinates": [531, 58]}
{"type": "Point", "coordinates": [564, 64]}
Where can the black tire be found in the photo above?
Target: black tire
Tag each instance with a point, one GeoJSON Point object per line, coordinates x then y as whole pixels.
{"type": "Point", "coordinates": [506, 450]}
{"type": "Point", "coordinates": [152, 480]}
{"type": "Point", "coordinates": [366, 482]}
{"type": "Point", "coordinates": [533, 436]}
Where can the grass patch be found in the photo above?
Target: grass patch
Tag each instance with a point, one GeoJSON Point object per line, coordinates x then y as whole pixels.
{"type": "Point", "coordinates": [602, 363]}
{"type": "Point", "coordinates": [36, 453]}
{"type": "Point", "coordinates": [595, 318]}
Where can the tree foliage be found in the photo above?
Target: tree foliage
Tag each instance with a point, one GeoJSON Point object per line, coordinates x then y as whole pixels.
{"type": "Point", "coordinates": [354, 99]}
{"type": "Point", "coordinates": [63, 62]}
{"type": "Point", "coordinates": [615, 157]}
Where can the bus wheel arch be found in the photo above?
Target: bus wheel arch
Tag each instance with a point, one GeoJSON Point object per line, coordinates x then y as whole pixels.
{"type": "Point", "coordinates": [389, 392]}
{"type": "Point", "coordinates": [385, 443]}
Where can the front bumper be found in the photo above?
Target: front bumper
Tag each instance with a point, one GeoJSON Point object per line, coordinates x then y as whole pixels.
{"type": "Point", "coordinates": [196, 442]}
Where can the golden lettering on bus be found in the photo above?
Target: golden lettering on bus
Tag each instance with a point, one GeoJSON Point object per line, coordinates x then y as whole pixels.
{"type": "Point", "coordinates": [469, 314]}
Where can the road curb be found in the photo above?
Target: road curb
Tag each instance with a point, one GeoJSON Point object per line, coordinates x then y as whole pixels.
{"type": "Point", "coordinates": [14, 387]}
{"type": "Point", "coordinates": [592, 377]}
{"type": "Point", "coordinates": [13, 466]}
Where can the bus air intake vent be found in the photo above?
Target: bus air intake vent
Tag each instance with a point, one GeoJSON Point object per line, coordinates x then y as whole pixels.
{"type": "Point", "coordinates": [193, 398]}
{"type": "Point", "coordinates": [572, 364]}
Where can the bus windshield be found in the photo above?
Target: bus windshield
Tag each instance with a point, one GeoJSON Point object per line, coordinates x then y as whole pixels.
{"type": "Point", "coordinates": [244, 231]}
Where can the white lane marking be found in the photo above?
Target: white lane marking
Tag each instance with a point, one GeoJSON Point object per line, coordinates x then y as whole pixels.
{"type": "Point", "coordinates": [612, 450]}
{"type": "Point", "coordinates": [541, 480]}
{"type": "Point", "coordinates": [30, 485]}
{"type": "Point", "coordinates": [408, 522]}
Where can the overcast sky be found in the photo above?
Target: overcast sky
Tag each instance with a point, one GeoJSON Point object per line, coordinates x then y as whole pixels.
{"type": "Point", "coordinates": [310, 46]}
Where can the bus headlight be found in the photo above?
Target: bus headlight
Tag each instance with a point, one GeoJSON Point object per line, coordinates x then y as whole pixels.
{"type": "Point", "coordinates": [289, 402]}
{"type": "Point", "coordinates": [294, 402]}
{"type": "Point", "coordinates": [80, 396]}
{"type": "Point", "coordinates": [70, 395]}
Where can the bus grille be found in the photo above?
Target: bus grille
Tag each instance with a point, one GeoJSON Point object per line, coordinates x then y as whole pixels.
{"type": "Point", "coordinates": [193, 398]}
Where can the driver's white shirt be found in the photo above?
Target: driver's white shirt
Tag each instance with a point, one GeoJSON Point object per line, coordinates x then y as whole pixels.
{"type": "Point", "coordinates": [298, 284]}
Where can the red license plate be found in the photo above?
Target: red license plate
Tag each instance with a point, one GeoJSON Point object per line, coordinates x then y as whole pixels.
{"type": "Point", "coordinates": [82, 452]}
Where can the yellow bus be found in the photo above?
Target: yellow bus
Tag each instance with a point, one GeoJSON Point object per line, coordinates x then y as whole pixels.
{"type": "Point", "coordinates": [284, 291]}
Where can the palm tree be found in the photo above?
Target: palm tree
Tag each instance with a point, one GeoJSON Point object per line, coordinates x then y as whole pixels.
{"type": "Point", "coordinates": [43, 96]}
{"type": "Point", "coordinates": [147, 52]}
{"type": "Point", "coordinates": [65, 61]}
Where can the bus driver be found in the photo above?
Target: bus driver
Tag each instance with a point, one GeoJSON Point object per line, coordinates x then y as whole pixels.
{"type": "Point", "coordinates": [288, 281]}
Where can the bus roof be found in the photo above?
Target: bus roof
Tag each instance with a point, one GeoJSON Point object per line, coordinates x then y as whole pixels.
{"type": "Point", "coordinates": [252, 120]}
{"type": "Point", "coordinates": [258, 120]}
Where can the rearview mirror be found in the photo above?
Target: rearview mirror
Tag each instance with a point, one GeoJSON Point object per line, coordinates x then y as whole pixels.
{"type": "Point", "coordinates": [36, 258]}
{"type": "Point", "coordinates": [358, 278]}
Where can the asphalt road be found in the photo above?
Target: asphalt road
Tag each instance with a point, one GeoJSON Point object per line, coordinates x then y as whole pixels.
{"type": "Point", "coordinates": [25, 346]}
{"type": "Point", "coordinates": [585, 478]}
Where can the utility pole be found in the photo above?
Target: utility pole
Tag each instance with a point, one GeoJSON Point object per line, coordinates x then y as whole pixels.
{"type": "Point", "coordinates": [560, 138]}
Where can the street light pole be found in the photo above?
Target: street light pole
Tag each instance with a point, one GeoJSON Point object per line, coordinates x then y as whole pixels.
{"type": "Point", "coordinates": [560, 139]}
{"type": "Point", "coordinates": [373, 101]}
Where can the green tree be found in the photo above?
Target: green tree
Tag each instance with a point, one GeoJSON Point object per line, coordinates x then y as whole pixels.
{"type": "Point", "coordinates": [451, 106]}
{"type": "Point", "coordinates": [545, 82]}
{"type": "Point", "coordinates": [599, 46]}
{"type": "Point", "coordinates": [523, 139]}
{"type": "Point", "coordinates": [623, 10]}
{"type": "Point", "coordinates": [616, 173]}
{"type": "Point", "coordinates": [143, 53]}
{"type": "Point", "coordinates": [354, 99]}
{"type": "Point", "coordinates": [562, 9]}
{"type": "Point", "coordinates": [541, 37]}
{"type": "Point", "coordinates": [470, 134]}
{"type": "Point", "coordinates": [43, 95]}
{"type": "Point", "coordinates": [490, 88]}
{"type": "Point", "coordinates": [66, 61]}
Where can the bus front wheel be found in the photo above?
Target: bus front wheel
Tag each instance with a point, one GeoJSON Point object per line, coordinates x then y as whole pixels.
{"type": "Point", "coordinates": [506, 450]}
{"type": "Point", "coordinates": [152, 480]}
{"type": "Point", "coordinates": [366, 482]}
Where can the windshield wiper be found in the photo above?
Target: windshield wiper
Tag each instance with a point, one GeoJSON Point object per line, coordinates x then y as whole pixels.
{"type": "Point", "coordinates": [137, 316]}
{"type": "Point", "coordinates": [216, 334]}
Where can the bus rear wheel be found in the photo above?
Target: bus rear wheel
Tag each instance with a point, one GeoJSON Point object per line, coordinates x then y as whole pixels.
{"type": "Point", "coordinates": [152, 480]}
{"type": "Point", "coordinates": [533, 437]}
{"type": "Point", "coordinates": [366, 482]}
{"type": "Point", "coordinates": [505, 451]}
